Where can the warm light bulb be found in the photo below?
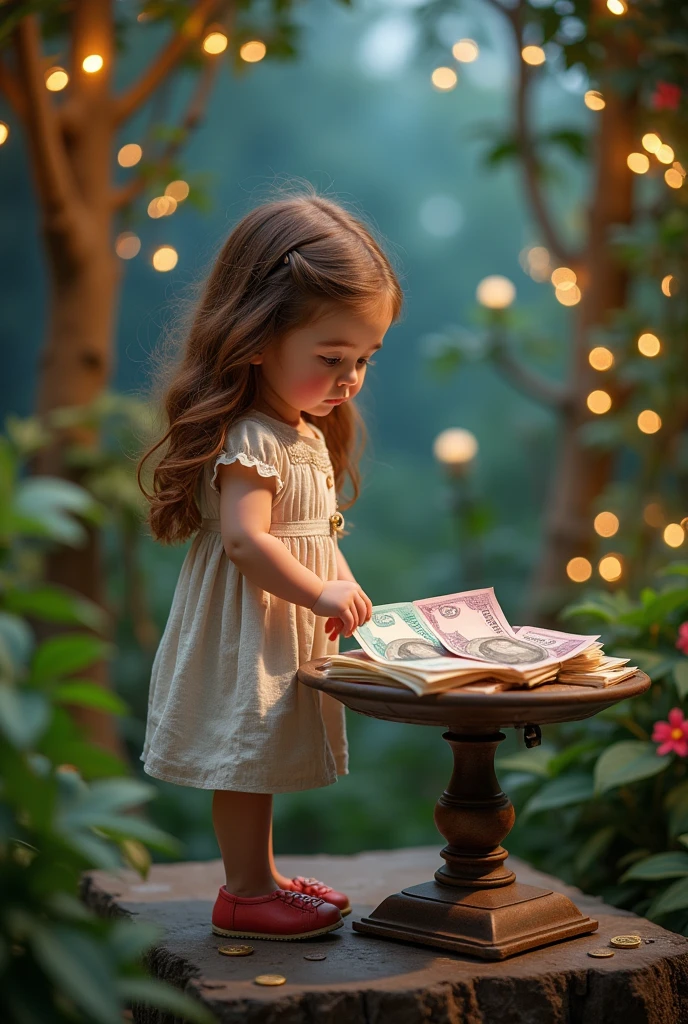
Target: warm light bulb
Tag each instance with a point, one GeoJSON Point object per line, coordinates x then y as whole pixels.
{"type": "Point", "coordinates": [444, 78]}
{"type": "Point", "coordinates": [165, 258]}
{"type": "Point", "coordinates": [599, 402]}
{"type": "Point", "coordinates": [617, 6]}
{"type": "Point", "coordinates": [178, 190]}
{"type": "Point", "coordinates": [594, 100]}
{"type": "Point", "coordinates": [56, 79]}
{"type": "Point", "coordinates": [649, 345]}
{"type": "Point", "coordinates": [668, 285]}
{"type": "Point", "coordinates": [4, 132]}
{"type": "Point", "coordinates": [455, 447]}
{"type": "Point", "coordinates": [127, 245]}
{"type": "Point", "coordinates": [610, 568]}
{"type": "Point", "coordinates": [601, 358]}
{"type": "Point", "coordinates": [568, 295]}
{"type": "Point", "coordinates": [92, 63]}
{"type": "Point", "coordinates": [534, 55]}
{"type": "Point", "coordinates": [579, 570]}
{"type": "Point", "coordinates": [495, 292]}
{"type": "Point", "coordinates": [665, 154]}
{"type": "Point", "coordinates": [253, 51]}
{"type": "Point", "coordinates": [651, 142]}
{"type": "Point", "coordinates": [673, 178]}
{"type": "Point", "coordinates": [649, 422]}
{"type": "Point", "coordinates": [639, 163]}
{"type": "Point", "coordinates": [129, 155]}
{"type": "Point", "coordinates": [674, 535]}
{"type": "Point", "coordinates": [215, 42]}
{"type": "Point", "coordinates": [466, 51]}
{"type": "Point", "coordinates": [563, 277]}
{"type": "Point", "coordinates": [161, 206]}
{"type": "Point", "coordinates": [606, 524]}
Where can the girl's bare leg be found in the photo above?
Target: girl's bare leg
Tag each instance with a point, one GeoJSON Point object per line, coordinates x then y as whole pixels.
{"type": "Point", "coordinates": [242, 823]}
{"type": "Point", "coordinates": [280, 879]}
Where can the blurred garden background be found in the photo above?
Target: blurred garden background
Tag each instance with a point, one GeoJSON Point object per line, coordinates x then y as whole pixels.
{"type": "Point", "coordinates": [522, 164]}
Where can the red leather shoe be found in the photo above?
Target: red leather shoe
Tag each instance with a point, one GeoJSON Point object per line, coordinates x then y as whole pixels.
{"type": "Point", "coordinates": [312, 887]}
{"type": "Point", "coordinates": [279, 915]}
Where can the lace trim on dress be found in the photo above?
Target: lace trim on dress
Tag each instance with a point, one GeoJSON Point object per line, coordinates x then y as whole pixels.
{"type": "Point", "coordinates": [225, 459]}
{"type": "Point", "coordinates": [298, 452]}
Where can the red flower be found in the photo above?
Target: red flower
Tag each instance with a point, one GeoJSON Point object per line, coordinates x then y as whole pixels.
{"type": "Point", "coordinates": [672, 735]}
{"type": "Point", "coordinates": [682, 642]}
{"type": "Point", "coordinates": [666, 96]}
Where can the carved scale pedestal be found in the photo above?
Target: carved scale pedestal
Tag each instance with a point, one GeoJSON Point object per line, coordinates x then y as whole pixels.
{"type": "Point", "coordinates": [475, 905]}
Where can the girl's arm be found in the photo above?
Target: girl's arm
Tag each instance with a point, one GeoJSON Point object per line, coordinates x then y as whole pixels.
{"type": "Point", "coordinates": [245, 516]}
{"type": "Point", "coordinates": [343, 570]}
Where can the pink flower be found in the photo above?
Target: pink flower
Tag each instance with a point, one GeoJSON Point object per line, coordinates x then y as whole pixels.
{"type": "Point", "coordinates": [672, 735]}
{"type": "Point", "coordinates": [666, 96]}
{"type": "Point", "coordinates": [682, 642]}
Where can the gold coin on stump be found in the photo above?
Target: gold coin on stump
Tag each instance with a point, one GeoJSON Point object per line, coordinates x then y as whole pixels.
{"type": "Point", "coordinates": [626, 941]}
{"type": "Point", "coordinates": [235, 950]}
{"type": "Point", "coordinates": [600, 953]}
{"type": "Point", "coordinates": [270, 979]}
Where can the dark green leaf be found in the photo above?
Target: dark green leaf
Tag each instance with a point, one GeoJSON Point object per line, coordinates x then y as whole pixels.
{"type": "Point", "coordinates": [673, 864]}
{"type": "Point", "coordinates": [79, 969]}
{"type": "Point", "coordinates": [625, 762]}
{"type": "Point", "coordinates": [564, 791]}
{"type": "Point", "coordinates": [675, 897]}
{"type": "Point", "coordinates": [55, 604]}
{"type": "Point", "coordinates": [681, 678]}
{"type": "Point", "coordinates": [24, 715]}
{"type": "Point", "coordinates": [89, 695]}
{"type": "Point", "coordinates": [65, 654]}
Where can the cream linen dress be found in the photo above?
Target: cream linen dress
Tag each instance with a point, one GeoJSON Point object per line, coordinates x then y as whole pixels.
{"type": "Point", "coordinates": [225, 710]}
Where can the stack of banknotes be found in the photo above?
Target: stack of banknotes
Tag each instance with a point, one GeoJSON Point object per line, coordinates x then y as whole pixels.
{"type": "Point", "coordinates": [465, 640]}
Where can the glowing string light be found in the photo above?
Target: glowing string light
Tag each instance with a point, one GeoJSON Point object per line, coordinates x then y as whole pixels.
{"type": "Point", "coordinates": [93, 63]}
{"type": "Point", "coordinates": [599, 402]}
{"type": "Point", "coordinates": [444, 78]}
{"type": "Point", "coordinates": [601, 358]}
{"type": "Point", "coordinates": [579, 570]}
{"type": "Point", "coordinates": [674, 535]}
{"type": "Point", "coordinates": [649, 345]}
{"type": "Point", "coordinates": [253, 51]}
{"type": "Point", "coordinates": [649, 422]}
{"type": "Point", "coordinates": [610, 568]}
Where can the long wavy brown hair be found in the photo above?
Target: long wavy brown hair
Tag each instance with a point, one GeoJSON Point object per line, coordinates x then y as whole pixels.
{"type": "Point", "coordinates": [249, 300]}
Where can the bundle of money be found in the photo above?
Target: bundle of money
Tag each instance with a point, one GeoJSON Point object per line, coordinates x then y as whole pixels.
{"type": "Point", "coordinates": [465, 640]}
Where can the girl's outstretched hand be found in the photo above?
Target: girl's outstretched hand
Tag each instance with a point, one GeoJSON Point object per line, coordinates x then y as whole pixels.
{"type": "Point", "coordinates": [344, 605]}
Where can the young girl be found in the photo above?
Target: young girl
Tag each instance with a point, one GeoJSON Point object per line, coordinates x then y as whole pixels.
{"type": "Point", "coordinates": [263, 432]}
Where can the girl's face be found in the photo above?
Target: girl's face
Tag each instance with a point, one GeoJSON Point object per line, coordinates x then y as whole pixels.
{"type": "Point", "coordinates": [314, 368]}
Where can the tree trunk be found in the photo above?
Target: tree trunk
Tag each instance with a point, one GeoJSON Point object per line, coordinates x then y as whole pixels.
{"type": "Point", "coordinates": [582, 473]}
{"type": "Point", "coordinates": [77, 360]}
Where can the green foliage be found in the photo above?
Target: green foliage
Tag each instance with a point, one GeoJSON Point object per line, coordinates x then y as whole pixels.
{"type": "Point", "coordinates": [61, 811]}
{"type": "Point", "coordinates": [618, 809]}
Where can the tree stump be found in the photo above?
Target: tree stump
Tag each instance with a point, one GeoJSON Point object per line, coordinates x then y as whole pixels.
{"type": "Point", "coordinates": [369, 980]}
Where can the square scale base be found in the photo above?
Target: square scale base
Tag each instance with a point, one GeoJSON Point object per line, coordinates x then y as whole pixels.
{"type": "Point", "coordinates": [491, 924]}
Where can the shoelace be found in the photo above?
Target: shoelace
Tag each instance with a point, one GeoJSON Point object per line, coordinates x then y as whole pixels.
{"type": "Point", "coordinates": [299, 899]}
{"type": "Point", "coordinates": [313, 883]}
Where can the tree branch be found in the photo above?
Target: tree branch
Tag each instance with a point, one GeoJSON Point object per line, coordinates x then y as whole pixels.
{"type": "Point", "coordinates": [191, 120]}
{"type": "Point", "coordinates": [527, 381]}
{"type": "Point", "coordinates": [10, 86]}
{"type": "Point", "coordinates": [526, 142]}
{"type": "Point", "coordinates": [167, 59]}
{"type": "Point", "coordinates": [62, 205]}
